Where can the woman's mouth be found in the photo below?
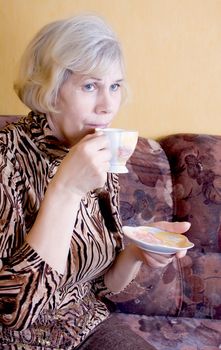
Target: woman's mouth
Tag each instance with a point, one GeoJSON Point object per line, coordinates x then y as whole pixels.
{"type": "Point", "coordinates": [100, 126]}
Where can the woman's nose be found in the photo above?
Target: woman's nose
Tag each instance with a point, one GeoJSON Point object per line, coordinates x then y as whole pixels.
{"type": "Point", "coordinates": [104, 103]}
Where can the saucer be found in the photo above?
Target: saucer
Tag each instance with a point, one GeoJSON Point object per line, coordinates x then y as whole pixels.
{"type": "Point", "coordinates": [156, 240]}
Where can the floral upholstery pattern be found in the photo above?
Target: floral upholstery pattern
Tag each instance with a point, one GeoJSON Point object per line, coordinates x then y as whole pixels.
{"type": "Point", "coordinates": [146, 190]}
{"type": "Point", "coordinates": [178, 307]}
{"type": "Point", "coordinates": [146, 196]}
{"type": "Point", "coordinates": [196, 174]}
{"type": "Point", "coordinates": [177, 333]}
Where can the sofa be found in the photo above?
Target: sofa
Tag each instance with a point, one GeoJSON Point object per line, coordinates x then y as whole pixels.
{"type": "Point", "coordinates": [175, 178]}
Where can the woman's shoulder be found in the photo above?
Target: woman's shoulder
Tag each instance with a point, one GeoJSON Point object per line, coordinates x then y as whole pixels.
{"type": "Point", "coordinates": [17, 130]}
{"type": "Point", "coordinates": [9, 135]}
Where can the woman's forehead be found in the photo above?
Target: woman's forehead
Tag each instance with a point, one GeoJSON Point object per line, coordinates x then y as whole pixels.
{"type": "Point", "coordinates": [113, 72]}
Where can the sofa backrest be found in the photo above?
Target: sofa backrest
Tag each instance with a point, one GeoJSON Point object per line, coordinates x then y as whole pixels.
{"type": "Point", "coordinates": [7, 119]}
{"type": "Point", "coordinates": [195, 162]}
{"type": "Point", "coordinates": [146, 190]}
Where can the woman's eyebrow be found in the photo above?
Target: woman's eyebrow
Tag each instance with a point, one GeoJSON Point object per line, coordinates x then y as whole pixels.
{"type": "Point", "coordinates": [99, 79]}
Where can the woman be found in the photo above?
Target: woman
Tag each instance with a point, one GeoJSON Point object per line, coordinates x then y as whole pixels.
{"type": "Point", "coordinates": [60, 251]}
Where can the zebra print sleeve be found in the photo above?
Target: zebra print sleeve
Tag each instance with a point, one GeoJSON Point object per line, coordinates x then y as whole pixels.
{"type": "Point", "coordinates": [26, 282]}
{"type": "Point", "coordinates": [26, 285]}
{"type": "Point", "coordinates": [113, 190]}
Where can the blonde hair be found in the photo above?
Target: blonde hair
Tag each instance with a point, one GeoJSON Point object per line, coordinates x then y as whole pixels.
{"type": "Point", "coordinates": [82, 44]}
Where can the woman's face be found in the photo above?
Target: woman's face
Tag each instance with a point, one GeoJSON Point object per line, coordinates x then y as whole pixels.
{"type": "Point", "coordinates": [85, 103]}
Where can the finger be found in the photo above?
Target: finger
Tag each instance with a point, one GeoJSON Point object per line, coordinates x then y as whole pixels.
{"type": "Point", "coordinates": [158, 260]}
{"type": "Point", "coordinates": [176, 227]}
{"type": "Point", "coordinates": [97, 140]}
{"type": "Point", "coordinates": [103, 156]}
{"type": "Point", "coordinates": [181, 254]}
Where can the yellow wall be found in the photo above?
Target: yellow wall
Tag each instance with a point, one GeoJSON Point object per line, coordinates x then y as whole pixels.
{"type": "Point", "coordinates": [172, 49]}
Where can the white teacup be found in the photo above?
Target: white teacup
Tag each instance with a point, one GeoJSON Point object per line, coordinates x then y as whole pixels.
{"type": "Point", "coordinates": [122, 145]}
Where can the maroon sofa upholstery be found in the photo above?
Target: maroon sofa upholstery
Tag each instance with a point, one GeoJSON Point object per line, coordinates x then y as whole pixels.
{"type": "Point", "coordinates": [175, 178]}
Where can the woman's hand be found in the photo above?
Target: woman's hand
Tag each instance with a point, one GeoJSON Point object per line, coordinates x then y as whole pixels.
{"type": "Point", "coordinates": [176, 227]}
{"type": "Point", "coordinates": [157, 260]}
{"type": "Point", "coordinates": [128, 262]}
{"type": "Point", "coordinates": [85, 166]}
{"type": "Point", "coordinates": [153, 260]}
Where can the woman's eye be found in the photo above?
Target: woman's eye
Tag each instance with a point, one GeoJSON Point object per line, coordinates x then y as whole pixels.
{"type": "Point", "coordinates": [115, 87]}
{"type": "Point", "coordinates": [89, 87]}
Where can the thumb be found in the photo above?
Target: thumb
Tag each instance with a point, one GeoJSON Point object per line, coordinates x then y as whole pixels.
{"type": "Point", "coordinates": [176, 227]}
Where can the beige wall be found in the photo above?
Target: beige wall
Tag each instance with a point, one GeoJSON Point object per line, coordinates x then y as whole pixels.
{"type": "Point", "coordinates": [172, 49]}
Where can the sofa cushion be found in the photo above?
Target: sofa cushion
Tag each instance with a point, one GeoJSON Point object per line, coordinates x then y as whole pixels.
{"type": "Point", "coordinates": [195, 162]}
{"type": "Point", "coordinates": [166, 333]}
{"type": "Point", "coordinates": [201, 285]}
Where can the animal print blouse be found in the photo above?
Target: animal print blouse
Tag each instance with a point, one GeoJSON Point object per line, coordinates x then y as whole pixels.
{"type": "Point", "coordinates": [40, 308]}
